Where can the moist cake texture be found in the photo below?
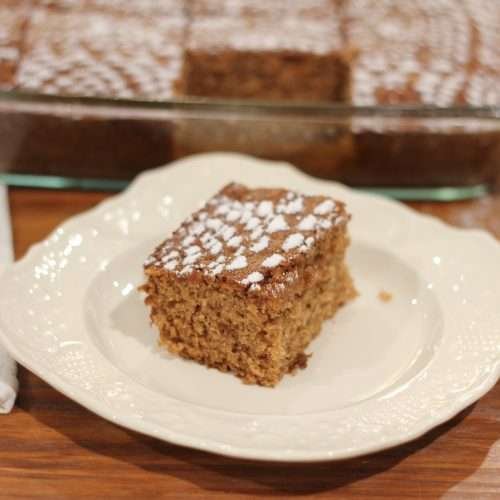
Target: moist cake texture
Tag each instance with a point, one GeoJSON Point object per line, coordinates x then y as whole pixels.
{"type": "Point", "coordinates": [246, 282]}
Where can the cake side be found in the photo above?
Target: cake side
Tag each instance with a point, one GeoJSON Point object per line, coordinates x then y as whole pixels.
{"type": "Point", "coordinates": [320, 149]}
{"type": "Point", "coordinates": [246, 282]}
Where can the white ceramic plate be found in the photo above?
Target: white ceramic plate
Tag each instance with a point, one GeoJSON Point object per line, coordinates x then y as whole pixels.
{"type": "Point", "coordinates": [381, 373]}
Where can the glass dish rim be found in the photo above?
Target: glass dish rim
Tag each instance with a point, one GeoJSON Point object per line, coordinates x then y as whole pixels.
{"type": "Point", "coordinates": [276, 108]}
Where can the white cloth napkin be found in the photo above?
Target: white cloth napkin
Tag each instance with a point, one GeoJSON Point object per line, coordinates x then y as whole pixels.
{"type": "Point", "coordinates": [8, 369]}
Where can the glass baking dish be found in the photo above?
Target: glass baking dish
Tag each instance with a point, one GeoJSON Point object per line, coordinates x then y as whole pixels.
{"type": "Point", "coordinates": [409, 152]}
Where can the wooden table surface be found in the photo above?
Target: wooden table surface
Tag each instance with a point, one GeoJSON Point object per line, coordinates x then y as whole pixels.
{"type": "Point", "coordinates": [51, 447]}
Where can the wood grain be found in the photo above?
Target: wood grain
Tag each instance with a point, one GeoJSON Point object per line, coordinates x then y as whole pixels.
{"type": "Point", "coordinates": [50, 447]}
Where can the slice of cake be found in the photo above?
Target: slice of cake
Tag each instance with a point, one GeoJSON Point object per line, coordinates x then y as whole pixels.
{"type": "Point", "coordinates": [13, 21]}
{"type": "Point", "coordinates": [248, 57]}
{"type": "Point", "coordinates": [101, 54]}
{"type": "Point", "coordinates": [246, 282]}
{"type": "Point", "coordinates": [439, 53]}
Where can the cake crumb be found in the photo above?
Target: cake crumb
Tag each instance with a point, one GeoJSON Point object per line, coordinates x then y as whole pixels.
{"type": "Point", "coordinates": [300, 363]}
{"type": "Point", "coordinates": [384, 296]}
{"type": "Point", "coordinates": [230, 292]}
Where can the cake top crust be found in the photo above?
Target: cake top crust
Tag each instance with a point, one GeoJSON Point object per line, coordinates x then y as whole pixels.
{"type": "Point", "coordinates": [247, 34]}
{"type": "Point", "coordinates": [12, 21]}
{"type": "Point", "coordinates": [262, 8]}
{"type": "Point", "coordinates": [89, 53]}
{"type": "Point", "coordinates": [433, 52]}
{"type": "Point", "coordinates": [251, 237]}
{"type": "Point", "coordinates": [137, 7]}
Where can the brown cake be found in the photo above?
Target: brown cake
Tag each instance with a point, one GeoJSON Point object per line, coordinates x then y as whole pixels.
{"type": "Point", "coordinates": [246, 282]}
{"type": "Point", "coordinates": [315, 147]}
{"type": "Point", "coordinates": [484, 84]}
{"type": "Point", "coordinates": [12, 25]}
{"type": "Point", "coordinates": [247, 57]}
{"type": "Point", "coordinates": [438, 53]}
{"type": "Point", "coordinates": [171, 8]}
{"type": "Point", "coordinates": [80, 142]}
{"type": "Point", "coordinates": [262, 8]}
{"type": "Point", "coordinates": [94, 54]}
{"type": "Point", "coordinates": [410, 52]}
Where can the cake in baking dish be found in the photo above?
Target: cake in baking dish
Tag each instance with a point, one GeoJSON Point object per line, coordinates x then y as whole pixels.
{"type": "Point", "coordinates": [439, 53]}
{"type": "Point", "coordinates": [13, 19]}
{"type": "Point", "coordinates": [101, 54]}
{"type": "Point", "coordinates": [247, 57]}
{"type": "Point", "coordinates": [245, 283]}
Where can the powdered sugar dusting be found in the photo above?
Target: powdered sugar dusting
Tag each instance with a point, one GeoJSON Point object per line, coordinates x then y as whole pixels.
{"type": "Point", "coordinates": [293, 241]}
{"type": "Point", "coordinates": [188, 240]}
{"type": "Point", "coordinates": [213, 245]}
{"type": "Point", "coordinates": [256, 233]}
{"type": "Point", "coordinates": [238, 263]}
{"type": "Point", "coordinates": [222, 209]}
{"type": "Point", "coordinates": [233, 215]}
{"type": "Point", "coordinates": [308, 243]}
{"type": "Point", "coordinates": [313, 223]}
{"type": "Point", "coordinates": [293, 206]}
{"type": "Point", "coordinates": [193, 249]}
{"type": "Point", "coordinates": [217, 269]}
{"type": "Point", "coordinates": [252, 223]}
{"type": "Point", "coordinates": [171, 265]}
{"type": "Point", "coordinates": [197, 229]}
{"type": "Point", "coordinates": [262, 244]}
{"type": "Point", "coordinates": [246, 216]}
{"type": "Point", "coordinates": [265, 209]}
{"type": "Point", "coordinates": [216, 247]}
{"type": "Point", "coordinates": [186, 270]}
{"type": "Point", "coordinates": [191, 259]}
{"type": "Point", "coordinates": [307, 223]}
{"type": "Point", "coordinates": [214, 224]}
{"type": "Point", "coordinates": [277, 224]}
{"type": "Point", "coordinates": [248, 235]}
{"type": "Point", "coordinates": [171, 255]}
{"type": "Point", "coordinates": [274, 260]}
{"type": "Point", "coordinates": [254, 277]}
{"type": "Point", "coordinates": [234, 242]}
{"type": "Point", "coordinates": [228, 233]}
{"type": "Point", "coordinates": [324, 208]}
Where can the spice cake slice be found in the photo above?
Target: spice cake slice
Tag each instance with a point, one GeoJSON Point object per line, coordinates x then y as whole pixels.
{"type": "Point", "coordinates": [245, 283]}
{"type": "Point", "coordinates": [245, 57]}
{"type": "Point", "coordinates": [13, 20]}
{"type": "Point", "coordinates": [87, 53]}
